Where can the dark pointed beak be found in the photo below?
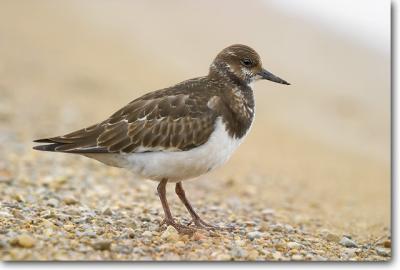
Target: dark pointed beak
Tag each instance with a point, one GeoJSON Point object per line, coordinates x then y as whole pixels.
{"type": "Point", "coordinates": [266, 75]}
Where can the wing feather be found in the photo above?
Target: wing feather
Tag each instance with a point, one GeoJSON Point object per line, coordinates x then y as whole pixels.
{"type": "Point", "coordinates": [164, 120]}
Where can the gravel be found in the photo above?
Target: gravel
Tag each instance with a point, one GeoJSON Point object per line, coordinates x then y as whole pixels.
{"type": "Point", "coordinates": [58, 207]}
{"type": "Point", "coordinates": [347, 242]}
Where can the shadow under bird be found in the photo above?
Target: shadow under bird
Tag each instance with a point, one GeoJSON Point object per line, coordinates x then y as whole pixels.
{"type": "Point", "coordinates": [177, 133]}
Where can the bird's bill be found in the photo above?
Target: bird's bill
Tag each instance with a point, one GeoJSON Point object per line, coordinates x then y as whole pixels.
{"type": "Point", "coordinates": [266, 75]}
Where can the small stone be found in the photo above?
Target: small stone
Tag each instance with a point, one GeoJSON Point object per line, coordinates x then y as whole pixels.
{"type": "Point", "coordinates": [47, 223]}
{"type": "Point", "coordinates": [4, 214]}
{"type": "Point", "coordinates": [170, 234]}
{"type": "Point", "coordinates": [223, 257]}
{"type": "Point", "coordinates": [240, 243]}
{"type": "Point", "coordinates": [238, 252]}
{"type": "Point", "coordinates": [347, 242]}
{"type": "Point", "coordinates": [277, 256]}
{"type": "Point", "coordinates": [48, 232]}
{"type": "Point", "coordinates": [288, 228]}
{"type": "Point", "coordinates": [180, 244]}
{"type": "Point", "coordinates": [293, 245]}
{"type": "Point", "coordinates": [52, 202]}
{"type": "Point", "coordinates": [69, 227]}
{"type": "Point", "coordinates": [102, 245]}
{"type": "Point", "coordinates": [387, 244]}
{"type": "Point", "coordinates": [297, 257]}
{"type": "Point", "coordinates": [25, 241]}
{"type": "Point", "coordinates": [3, 244]}
{"type": "Point", "coordinates": [277, 228]}
{"type": "Point", "coordinates": [48, 214]}
{"type": "Point", "coordinates": [253, 255]}
{"type": "Point", "coordinates": [17, 214]}
{"type": "Point", "coordinates": [332, 237]}
{"type": "Point", "coordinates": [129, 233]}
{"type": "Point", "coordinates": [280, 246]}
{"type": "Point", "coordinates": [320, 258]}
{"type": "Point", "coordinates": [108, 212]}
{"type": "Point", "coordinates": [382, 252]}
{"type": "Point", "coordinates": [70, 200]}
{"type": "Point", "coordinates": [254, 235]}
{"type": "Point", "coordinates": [88, 233]}
{"type": "Point", "coordinates": [132, 224]}
{"type": "Point", "coordinates": [349, 253]}
{"type": "Point", "coordinates": [147, 234]}
{"type": "Point", "coordinates": [18, 197]}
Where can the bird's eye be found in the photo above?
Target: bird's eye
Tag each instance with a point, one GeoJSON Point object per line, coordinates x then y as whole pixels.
{"type": "Point", "coordinates": [247, 62]}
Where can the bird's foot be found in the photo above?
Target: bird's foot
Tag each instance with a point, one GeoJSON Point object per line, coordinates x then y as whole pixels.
{"type": "Point", "coordinates": [182, 229]}
{"type": "Point", "coordinates": [201, 224]}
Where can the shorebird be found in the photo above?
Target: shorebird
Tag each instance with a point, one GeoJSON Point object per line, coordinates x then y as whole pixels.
{"type": "Point", "coordinates": [179, 132]}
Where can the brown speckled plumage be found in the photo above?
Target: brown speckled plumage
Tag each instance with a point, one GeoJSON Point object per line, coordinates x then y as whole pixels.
{"type": "Point", "coordinates": [177, 118]}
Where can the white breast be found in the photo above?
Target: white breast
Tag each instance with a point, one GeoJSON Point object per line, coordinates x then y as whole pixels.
{"type": "Point", "coordinates": [180, 165]}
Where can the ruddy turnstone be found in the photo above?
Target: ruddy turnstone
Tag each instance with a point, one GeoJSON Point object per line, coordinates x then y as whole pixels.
{"type": "Point", "coordinates": [179, 132]}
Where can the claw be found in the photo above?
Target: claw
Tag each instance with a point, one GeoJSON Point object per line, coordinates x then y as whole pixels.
{"type": "Point", "coordinates": [182, 229]}
{"type": "Point", "coordinates": [199, 223]}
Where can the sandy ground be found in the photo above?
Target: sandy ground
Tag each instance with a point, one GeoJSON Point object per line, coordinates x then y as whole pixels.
{"type": "Point", "coordinates": [311, 181]}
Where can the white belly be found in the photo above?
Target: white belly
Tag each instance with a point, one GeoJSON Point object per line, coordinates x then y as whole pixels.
{"type": "Point", "coordinates": [178, 166]}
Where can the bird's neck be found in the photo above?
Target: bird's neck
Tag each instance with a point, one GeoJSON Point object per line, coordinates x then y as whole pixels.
{"type": "Point", "coordinates": [237, 95]}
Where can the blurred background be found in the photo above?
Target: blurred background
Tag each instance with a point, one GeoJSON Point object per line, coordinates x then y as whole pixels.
{"type": "Point", "coordinates": [320, 147]}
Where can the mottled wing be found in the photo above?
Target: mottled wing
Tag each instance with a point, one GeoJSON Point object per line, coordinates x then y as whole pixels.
{"type": "Point", "coordinates": [157, 122]}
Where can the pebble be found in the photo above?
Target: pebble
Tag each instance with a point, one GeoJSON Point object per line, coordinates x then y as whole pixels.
{"type": "Point", "coordinates": [70, 200]}
{"type": "Point", "coordinates": [48, 214]}
{"type": "Point", "coordinates": [223, 257]}
{"type": "Point", "coordinates": [129, 233]}
{"type": "Point", "coordinates": [3, 244]}
{"type": "Point", "coordinates": [254, 235]}
{"type": "Point", "coordinates": [52, 202]}
{"type": "Point", "coordinates": [278, 256]}
{"type": "Point", "coordinates": [277, 228]}
{"type": "Point", "coordinates": [108, 212]}
{"type": "Point", "coordinates": [349, 253]}
{"type": "Point", "coordinates": [238, 252]}
{"type": "Point", "coordinates": [102, 245]}
{"type": "Point", "coordinates": [25, 241]}
{"type": "Point", "coordinates": [88, 233]}
{"type": "Point", "coordinates": [382, 252]}
{"type": "Point", "coordinates": [332, 237]}
{"type": "Point", "coordinates": [4, 214]}
{"type": "Point", "coordinates": [253, 255]}
{"type": "Point", "coordinates": [280, 246]}
{"type": "Point", "coordinates": [132, 224]}
{"type": "Point", "coordinates": [69, 227]}
{"type": "Point", "coordinates": [170, 234]}
{"type": "Point", "coordinates": [240, 243]}
{"type": "Point", "coordinates": [17, 214]}
{"type": "Point", "coordinates": [293, 245]}
{"type": "Point", "coordinates": [288, 228]}
{"type": "Point", "coordinates": [147, 234]}
{"type": "Point", "coordinates": [347, 242]}
{"type": "Point", "coordinates": [387, 244]}
{"type": "Point", "coordinates": [180, 244]}
{"type": "Point", "coordinates": [19, 198]}
{"type": "Point", "coordinates": [297, 257]}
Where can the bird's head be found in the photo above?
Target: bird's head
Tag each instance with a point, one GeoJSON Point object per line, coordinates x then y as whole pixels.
{"type": "Point", "coordinates": [240, 62]}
